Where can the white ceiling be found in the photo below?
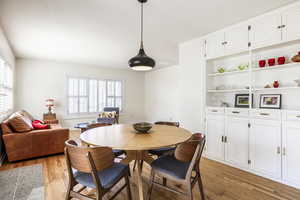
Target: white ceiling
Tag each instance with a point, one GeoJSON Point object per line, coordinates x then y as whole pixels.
{"type": "Point", "coordinates": [106, 32]}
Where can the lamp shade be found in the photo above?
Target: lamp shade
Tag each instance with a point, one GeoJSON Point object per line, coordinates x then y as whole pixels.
{"type": "Point", "coordinates": [49, 102]}
{"type": "Point", "coordinates": [141, 62]}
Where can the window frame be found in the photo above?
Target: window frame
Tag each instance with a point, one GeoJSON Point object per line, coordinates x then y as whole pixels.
{"type": "Point", "coordinates": [88, 79]}
{"type": "Point", "coordinates": [9, 87]}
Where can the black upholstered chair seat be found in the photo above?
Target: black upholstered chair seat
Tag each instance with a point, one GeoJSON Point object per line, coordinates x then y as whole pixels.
{"type": "Point", "coordinates": [117, 153]}
{"type": "Point", "coordinates": [161, 151]}
{"type": "Point", "coordinates": [168, 164]}
{"type": "Point", "coordinates": [108, 176]}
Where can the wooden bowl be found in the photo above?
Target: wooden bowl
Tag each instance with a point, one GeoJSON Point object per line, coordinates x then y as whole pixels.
{"type": "Point", "coordinates": [142, 127]}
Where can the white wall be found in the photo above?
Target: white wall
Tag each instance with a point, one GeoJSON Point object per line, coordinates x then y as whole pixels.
{"type": "Point", "coordinates": [5, 51]}
{"type": "Point", "coordinates": [39, 80]}
{"type": "Point", "coordinates": [162, 87]}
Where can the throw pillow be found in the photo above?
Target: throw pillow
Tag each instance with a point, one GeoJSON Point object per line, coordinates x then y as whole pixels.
{"type": "Point", "coordinates": [108, 114]}
{"type": "Point", "coordinates": [39, 125]}
{"type": "Point", "coordinates": [20, 124]}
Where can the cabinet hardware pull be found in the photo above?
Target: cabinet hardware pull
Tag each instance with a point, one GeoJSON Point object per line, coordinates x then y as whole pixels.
{"type": "Point", "coordinates": [235, 112]}
{"type": "Point", "coordinates": [222, 138]}
{"type": "Point", "coordinates": [264, 114]}
{"type": "Point", "coordinates": [284, 151]}
{"type": "Point", "coordinates": [283, 26]}
{"type": "Point", "coordinates": [298, 116]}
{"type": "Point", "coordinates": [225, 139]}
{"type": "Point", "coordinates": [214, 111]}
{"type": "Point", "coordinates": [279, 27]}
{"type": "Point", "coordinates": [278, 150]}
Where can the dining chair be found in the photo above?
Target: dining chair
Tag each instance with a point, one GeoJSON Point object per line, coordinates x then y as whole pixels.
{"type": "Point", "coordinates": [161, 151]}
{"type": "Point", "coordinates": [180, 167]}
{"type": "Point", "coordinates": [117, 152]}
{"type": "Point", "coordinates": [93, 167]}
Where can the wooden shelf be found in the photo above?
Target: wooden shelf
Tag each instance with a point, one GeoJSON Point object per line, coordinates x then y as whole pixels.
{"type": "Point", "coordinates": [228, 73]}
{"type": "Point", "coordinates": [288, 65]}
{"type": "Point", "coordinates": [228, 91]}
{"type": "Point", "coordinates": [272, 89]}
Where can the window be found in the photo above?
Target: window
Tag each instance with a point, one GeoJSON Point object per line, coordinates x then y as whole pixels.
{"type": "Point", "coordinates": [6, 88]}
{"type": "Point", "coordinates": [92, 95]}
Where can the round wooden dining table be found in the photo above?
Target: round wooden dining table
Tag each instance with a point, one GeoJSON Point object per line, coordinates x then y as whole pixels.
{"type": "Point", "coordinates": [136, 145]}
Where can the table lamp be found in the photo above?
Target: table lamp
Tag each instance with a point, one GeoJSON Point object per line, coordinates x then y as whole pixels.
{"type": "Point", "coordinates": [50, 104]}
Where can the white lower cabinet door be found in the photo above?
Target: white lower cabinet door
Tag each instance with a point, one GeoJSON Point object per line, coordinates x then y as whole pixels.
{"type": "Point", "coordinates": [237, 141]}
{"type": "Point", "coordinates": [215, 133]}
{"type": "Point", "coordinates": [291, 153]}
{"type": "Point", "coordinates": [265, 147]}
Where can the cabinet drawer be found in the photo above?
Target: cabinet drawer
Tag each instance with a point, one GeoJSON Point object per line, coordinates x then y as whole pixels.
{"type": "Point", "coordinates": [266, 114]}
{"type": "Point", "coordinates": [237, 112]}
{"type": "Point", "coordinates": [291, 115]}
{"type": "Point", "coordinates": [215, 110]}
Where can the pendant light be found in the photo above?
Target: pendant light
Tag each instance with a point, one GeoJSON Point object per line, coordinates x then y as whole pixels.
{"type": "Point", "coordinates": [142, 62]}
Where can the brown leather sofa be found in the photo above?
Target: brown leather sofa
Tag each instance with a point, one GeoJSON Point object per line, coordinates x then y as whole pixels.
{"type": "Point", "coordinates": [35, 143]}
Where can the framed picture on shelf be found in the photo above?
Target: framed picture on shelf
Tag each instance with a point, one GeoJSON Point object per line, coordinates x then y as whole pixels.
{"type": "Point", "coordinates": [242, 100]}
{"type": "Point", "coordinates": [270, 101]}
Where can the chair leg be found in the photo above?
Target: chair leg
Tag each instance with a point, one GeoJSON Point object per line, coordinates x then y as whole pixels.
{"type": "Point", "coordinates": [134, 165]}
{"type": "Point", "coordinates": [129, 197]}
{"type": "Point", "coordinates": [142, 163]}
{"type": "Point", "coordinates": [150, 185]}
{"type": "Point", "coordinates": [70, 186]}
{"type": "Point", "coordinates": [190, 192]}
{"type": "Point", "coordinates": [200, 184]}
{"type": "Point", "coordinates": [164, 181]}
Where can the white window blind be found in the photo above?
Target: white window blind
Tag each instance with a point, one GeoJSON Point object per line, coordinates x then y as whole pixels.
{"type": "Point", "coordinates": [92, 95]}
{"type": "Point", "coordinates": [6, 88]}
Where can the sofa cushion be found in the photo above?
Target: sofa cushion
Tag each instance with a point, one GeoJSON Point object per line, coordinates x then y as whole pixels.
{"type": "Point", "coordinates": [39, 125]}
{"type": "Point", "coordinates": [5, 127]}
{"type": "Point", "coordinates": [108, 114]}
{"type": "Point", "coordinates": [20, 123]}
{"type": "Point", "coordinates": [26, 115]}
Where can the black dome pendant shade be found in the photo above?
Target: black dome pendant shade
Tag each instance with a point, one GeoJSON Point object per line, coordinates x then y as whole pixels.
{"type": "Point", "coordinates": [142, 62]}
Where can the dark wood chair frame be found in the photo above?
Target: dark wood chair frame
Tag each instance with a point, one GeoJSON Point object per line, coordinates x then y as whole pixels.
{"type": "Point", "coordinates": [91, 165]}
{"type": "Point", "coordinates": [189, 180]}
{"type": "Point", "coordinates": [176, 124]}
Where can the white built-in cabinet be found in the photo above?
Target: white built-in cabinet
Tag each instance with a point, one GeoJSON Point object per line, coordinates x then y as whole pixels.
{"type": "Point", "coordinates": [266, 30]}
{"type": "Point", "coordinates": [237, 138]}
{"type": "Point", "coordinates": [265, 142]}
{"type": "Point", "coordinates": [265, 147]}
{"type": "Point", "coordinates": [215, 127]}
{"type": "Point", "coordinates": [290, 148]}
{"type": "Point", "coordinates": [290, 23]}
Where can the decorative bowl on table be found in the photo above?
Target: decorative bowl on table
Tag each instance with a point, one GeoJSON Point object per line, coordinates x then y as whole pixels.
{"type": "Point", "coordinates": [142, 127]}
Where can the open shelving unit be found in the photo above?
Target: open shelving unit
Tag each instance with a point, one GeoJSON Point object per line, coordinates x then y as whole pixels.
{"type": "Point", "coordinates": [234, 81]}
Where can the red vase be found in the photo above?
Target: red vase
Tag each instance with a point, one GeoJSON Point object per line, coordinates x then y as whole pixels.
{"type": "Point", "coordinates": [281, 60]}
{"type": "Point", "coordinates": [262, 63]}
{"type": "Point", "coordinates": [271, 62]}
{"type": "Point", "coordinates": [276, 84]}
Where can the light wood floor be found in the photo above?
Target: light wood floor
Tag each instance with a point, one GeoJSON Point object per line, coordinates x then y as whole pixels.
{"type": "Point", "coordinates": [221, 182]}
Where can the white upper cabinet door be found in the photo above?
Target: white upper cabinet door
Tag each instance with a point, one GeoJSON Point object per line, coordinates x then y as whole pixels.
{"type": "Point", "coordinates": [265, 147]}
{"type": "Point", "coordinates": [237, 141]}
{"type": "Point", "coordinates": [214, 133]}
{"type": "Point", "coordinates": [236, 39]}
{"type": "Point", "coordinates": [290, 22]}
{"type": "Point", "coordinates": [291, 153]}
{"type": "Point", "coordinates": [265, 30]}
{"type": "Point", "coordinates": [215, 45]}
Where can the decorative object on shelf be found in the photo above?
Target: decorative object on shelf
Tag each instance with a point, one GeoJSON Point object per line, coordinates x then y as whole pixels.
{"type": "Point", "coordinates": [142, 62]}
{"type": "Point", "coordinates": [298, 82]}
{"type": "Point", "coordinates": [268, 86]}
{"type": "Point", "coordinates": [271, 62]}
{"type": "Point", "coordinates": [224, 104]}
{"type": "Point", "coordinates": [243, 67]}
{"type": "Point", "coordinates": [281, 60]}
{"type": "Point", "coordinates": [242, 100]}
{"type": "Point", "coordinates": [221, 70]}
{"type": "Point", "coordinates": [142, 127]}
{"type": "Point", "coordinates": [296, 58]}
{"type": "Point", "coordinates": [262, 63]}
{"type": "Point", "coordinates": [49, 104]}
{"type": "Point", "coordinates": [270, 101]}
{"type": "Point", "coordinates": [276, 84]}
